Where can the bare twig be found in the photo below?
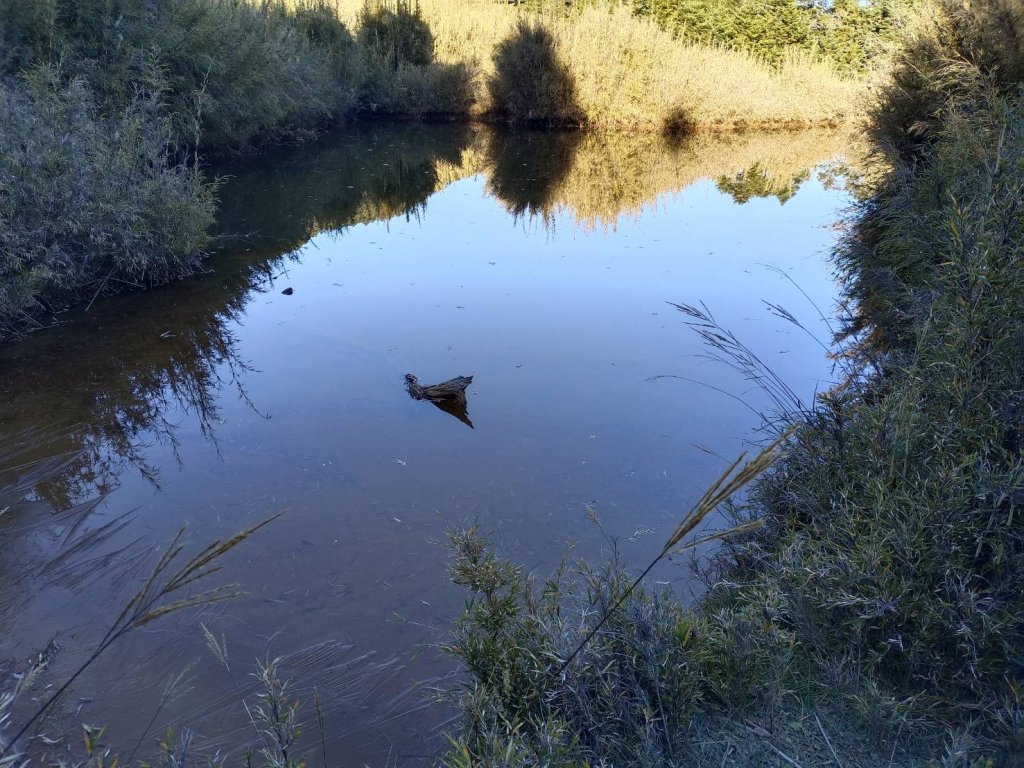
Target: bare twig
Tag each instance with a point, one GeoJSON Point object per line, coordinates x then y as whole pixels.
{"type": "Point", "coordinates": [828, 741]}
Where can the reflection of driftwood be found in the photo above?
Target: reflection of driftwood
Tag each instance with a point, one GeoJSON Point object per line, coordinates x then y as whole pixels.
{"type": "Point", "coordinates": [449, 396]}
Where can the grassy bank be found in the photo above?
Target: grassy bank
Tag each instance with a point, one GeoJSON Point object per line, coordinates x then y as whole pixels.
{"type": "Point", "coordinates": [90, 203]}
{"type": "Point", "coordinates": [599, 67]}
{"type": "Point", "coordinates": [875, 615]}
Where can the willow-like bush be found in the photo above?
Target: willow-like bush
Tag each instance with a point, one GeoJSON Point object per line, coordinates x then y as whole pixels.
{"type": "Point", "coordinates": [90, 204]}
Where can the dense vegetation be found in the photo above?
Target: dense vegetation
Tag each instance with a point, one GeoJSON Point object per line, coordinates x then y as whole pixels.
{"type": "Point", "coordinates": [104, 105]}
{"type": "Point", "coordinates": [850, 34]}
{"type": "Point", "coordinates": [876, 616]}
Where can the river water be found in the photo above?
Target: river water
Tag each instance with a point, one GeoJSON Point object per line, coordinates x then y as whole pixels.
{"type": "Point", "coordinates": [542, 264]}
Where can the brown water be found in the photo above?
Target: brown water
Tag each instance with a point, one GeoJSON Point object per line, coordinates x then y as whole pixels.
{"type": "Point", "coordinates": [540, 263]}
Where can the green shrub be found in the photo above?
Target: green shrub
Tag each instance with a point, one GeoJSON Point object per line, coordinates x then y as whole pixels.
{"type": "Point", "coordinates": [895, 518]}
{"type": "Point", "coordinates": [318, 21]}
{"type": "Point", "coordinates": [239, 72]}
{"type": "Point", "coordinates": [233, 72]}
{"type": "Point", "coordinates": [618, 703]}
{"type": "Point", "coordinates": [395, 32]}
{"type": "Point", "coordinates": [417, 91]}
{"type": "Point", "coordinates": [953, 50]}
{"type": "Point", "coordinates": [89, 204]}
{"type": "Point", "coordinates": [529, 83]}
{"type": "Point", "coordinates": [25, 30]}
{"type": "Point", "coordinates": [399, 75]}
{"type": "Point", "coordinates": [849, 34]}
{"type": "Point", "coordinates": [92, 198]}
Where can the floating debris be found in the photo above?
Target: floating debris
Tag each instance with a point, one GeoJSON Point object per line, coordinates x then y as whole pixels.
{"type": "Point", "coordinates": [449, 396]}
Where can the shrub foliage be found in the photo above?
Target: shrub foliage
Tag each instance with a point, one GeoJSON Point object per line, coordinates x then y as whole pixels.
{"type": "Point", "coordinates": [90, 203]}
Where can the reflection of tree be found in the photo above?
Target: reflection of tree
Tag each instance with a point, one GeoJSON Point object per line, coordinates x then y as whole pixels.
{"type": "Point", "coordinates": [120, 380]}
{"type": "Point", "coordinates": [755, 181]}
{"type": "Point", "coordinates": [366, 173]}
{"type": "Point", "coordinates": [599, 177]}
{"type": "Point", "coordinates": [525, 168]}
{"type": "Point", "coordinates": [120, 384]}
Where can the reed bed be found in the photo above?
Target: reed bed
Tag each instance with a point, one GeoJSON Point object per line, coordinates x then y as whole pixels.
{"type": "Point", "coordinates": [604, 67]}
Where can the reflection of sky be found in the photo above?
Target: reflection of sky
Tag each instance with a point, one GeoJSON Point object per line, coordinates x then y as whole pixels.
{"type": "Point", "coordinates": [413, 289]}
{"type": "Point", "coordinates": [560, 326]}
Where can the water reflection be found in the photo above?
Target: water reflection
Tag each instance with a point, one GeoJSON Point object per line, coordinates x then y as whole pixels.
{"type": "Point", "coordinates": [218, 399]}
{"type": "Point", "coordinates": [120, 384]}
{"type": "Point", "coordinates": [600, 178]}
{"type": "Point", "coordinates": [755, 181]}
{"type": "Point", "coordinates": [368, 173]}
{"type": "Point", "coordinates": [126, 368]}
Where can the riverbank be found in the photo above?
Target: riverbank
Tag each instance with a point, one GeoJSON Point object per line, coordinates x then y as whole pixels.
{"type": "Point", "coordinates": [101, 146]}
{"type": "Point", "coordinates": [874, 617]}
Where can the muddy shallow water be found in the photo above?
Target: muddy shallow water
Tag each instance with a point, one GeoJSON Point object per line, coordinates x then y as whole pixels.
{"type": "Point", "coordinates": [540, 263]}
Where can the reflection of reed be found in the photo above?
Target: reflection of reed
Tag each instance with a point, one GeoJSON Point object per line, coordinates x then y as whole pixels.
{"type": "Point", "coordinates": [599, 177]}
{"type": "Point", "coordinates": [45, 546]}
{"type": "Point", "coordinates": [122, 389]}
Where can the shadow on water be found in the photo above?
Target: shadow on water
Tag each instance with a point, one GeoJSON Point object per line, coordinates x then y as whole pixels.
{"type": "Point", "coordinates": [525, 169]}
{"type": "Point", "coordinates": [126, 367]}
{"type": "Point", "coordinates": [372, 172]}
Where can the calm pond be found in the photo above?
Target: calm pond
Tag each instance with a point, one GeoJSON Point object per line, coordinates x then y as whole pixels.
{"type": "Point", "coordinates": [542, 264]}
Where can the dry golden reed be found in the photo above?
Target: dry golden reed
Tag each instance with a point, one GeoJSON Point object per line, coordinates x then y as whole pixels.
{"type": "Point", "coordinates": [626, 72]}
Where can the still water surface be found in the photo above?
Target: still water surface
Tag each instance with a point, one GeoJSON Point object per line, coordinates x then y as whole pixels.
{"type": "Point", "coordinates": [540, 263]}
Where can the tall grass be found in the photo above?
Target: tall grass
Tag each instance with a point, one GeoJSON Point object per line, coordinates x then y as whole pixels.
{"type": "Point", "coordinates": [606, 68]}
{"type": "Point", "coordinates": [895, 547]}
{"type": "Point", "coordinates": [90, 203]}
{"type": "Point", "coordinates": [950, 48]}
{"type": "Point", "coordinates": [170, 587]}
{"type": "Point", "coordinates": [103, 107]}
{"type": "Point", "coordinates": [230, 72]}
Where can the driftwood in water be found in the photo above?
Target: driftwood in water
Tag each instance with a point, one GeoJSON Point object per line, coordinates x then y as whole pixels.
{"type": "Point", "coordinates": [453, 389]}
{"type": "Point", "coordinates": [449, 396]}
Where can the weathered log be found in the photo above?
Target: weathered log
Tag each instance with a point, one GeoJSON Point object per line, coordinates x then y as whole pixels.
{"type": "Point", "coordinates": [449, 396]}
{"type": "Point", "coordinates": [453, 389]}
